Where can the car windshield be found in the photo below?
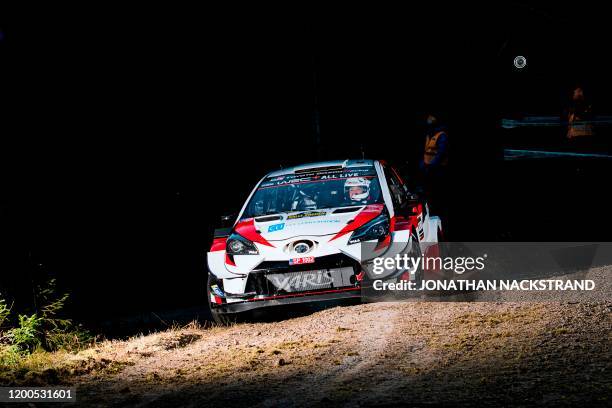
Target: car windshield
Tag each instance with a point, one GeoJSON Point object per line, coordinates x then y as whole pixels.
{"type": "Point", "coordinates": [315, 191]}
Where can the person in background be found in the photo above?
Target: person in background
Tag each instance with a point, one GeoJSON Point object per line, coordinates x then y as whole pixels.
{"type": "Point", "coordinates": [435, 157]}
{"type": "Point", "coordinates": [434, 166]}
{"type": "Point", "coordinates": [579, 116]}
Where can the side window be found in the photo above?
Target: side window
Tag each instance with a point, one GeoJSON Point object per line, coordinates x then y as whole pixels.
{"type": "Point", "coordinates": [395, 188]}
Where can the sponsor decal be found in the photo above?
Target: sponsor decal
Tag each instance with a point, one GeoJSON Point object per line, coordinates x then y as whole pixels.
{"type": "Point", "coordinates": [311, 280]}
{"type": "Point", "coordinates": [301, 281]}
{"type": "Point", "coordinates": [306, 215]}
{"type": "Point", "coordinates": [217, 291]}
{"type": "Point", "coordinates": [279, 178]}
{"type": "Point", "coordinates": [297, 224]}
{"type": "Point", "coordinates": [276, 227]}
{"type": "Point", "coordinates": [302, 261]}
{"type": "Point", "coordinates": [367, 172]}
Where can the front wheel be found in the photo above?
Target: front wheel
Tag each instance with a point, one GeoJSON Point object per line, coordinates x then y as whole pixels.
{"type": "Point", "coordinates": [416, 253]}
{"type": "Point", "coordinates": [223, 319]}
{"type": "Point", "coordinates": [415, 277]}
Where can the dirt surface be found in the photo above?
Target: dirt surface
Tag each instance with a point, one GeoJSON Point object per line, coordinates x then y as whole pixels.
{"type": "Point", "coordinates": [382, 354]}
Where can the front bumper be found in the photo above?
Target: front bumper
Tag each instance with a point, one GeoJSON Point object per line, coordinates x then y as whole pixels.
{"type": "Point", "coordinates": [277, 282]}
{"type": "Point", "coordinates": [256, 303]}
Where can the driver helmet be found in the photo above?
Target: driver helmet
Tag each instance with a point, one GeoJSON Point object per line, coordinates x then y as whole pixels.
{"type": "Point", "coordinates": [357, 188]}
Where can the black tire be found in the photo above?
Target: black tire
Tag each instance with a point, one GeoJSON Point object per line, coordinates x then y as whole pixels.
{"type": "Point", "coordinates": [417, 254]}
{"type": "Point", "coordinates": [223, 319]}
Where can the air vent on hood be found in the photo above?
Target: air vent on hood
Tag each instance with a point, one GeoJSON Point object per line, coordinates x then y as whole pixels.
{"type": "Point", "coordinates": [346, 210]}
{"type": "Point", "coordinates": [269, 218]}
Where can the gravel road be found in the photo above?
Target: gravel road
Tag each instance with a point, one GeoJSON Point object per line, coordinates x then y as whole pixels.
{"type": "Point", "coordinates": [381, 354]}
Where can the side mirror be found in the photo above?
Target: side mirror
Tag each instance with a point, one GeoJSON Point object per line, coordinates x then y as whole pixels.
{"type": "Point", "coordinates": [227, 221]}
{"type": "Point", "coordinates": [413, 197]}
{"type": "Point", "coordinates": [222, 232]}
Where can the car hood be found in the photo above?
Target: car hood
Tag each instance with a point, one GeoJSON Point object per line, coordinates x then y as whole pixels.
{"type": "Point", "coordinates": [331, 221]}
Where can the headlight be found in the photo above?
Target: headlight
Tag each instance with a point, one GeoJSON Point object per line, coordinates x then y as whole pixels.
{"type": "Point", "coordinates": [375, 229]}
{"type": "Point", "coordinates": [238, 245]}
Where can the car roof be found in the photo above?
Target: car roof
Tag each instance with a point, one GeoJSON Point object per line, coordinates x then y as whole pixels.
{"type": "Point", "coordinates": [347, 164]}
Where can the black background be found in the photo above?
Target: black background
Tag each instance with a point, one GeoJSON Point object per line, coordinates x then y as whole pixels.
{"type": "Point", "coordinates": [127, 132]}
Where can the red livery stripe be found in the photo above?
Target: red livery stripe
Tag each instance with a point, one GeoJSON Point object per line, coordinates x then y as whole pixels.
{"type": "Point", "coordinates": [384, 243]}
{"type": "Point", "coordinates": [229, 260]}
{"type": "Point", "coordinates": [218, 244]}
{"type": "Point", "coordinates": [366, 215]}
{"type": "Point", "coordinates": [247, 229]}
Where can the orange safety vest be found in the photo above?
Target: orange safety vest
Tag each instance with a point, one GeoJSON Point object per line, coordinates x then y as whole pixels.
{"type": "Point", "coordinates": [578, 129]}
{"type": "Point", "coordinates": [431, 149]}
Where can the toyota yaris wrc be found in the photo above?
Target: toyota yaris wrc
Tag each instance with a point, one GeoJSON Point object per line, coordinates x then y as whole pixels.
{"type": "Point", "coordinates": [302, 236]}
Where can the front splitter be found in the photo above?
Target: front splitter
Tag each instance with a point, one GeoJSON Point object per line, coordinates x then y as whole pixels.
{"type": "Point", "coordinates": [338, 294]}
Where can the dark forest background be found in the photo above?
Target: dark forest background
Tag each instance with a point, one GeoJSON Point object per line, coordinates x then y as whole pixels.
{"type": "Point", "coordinates": [128, 132]}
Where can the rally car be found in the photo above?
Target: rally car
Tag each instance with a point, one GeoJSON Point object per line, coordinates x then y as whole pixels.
{"type": "Point", "coordinates": [309, 234]}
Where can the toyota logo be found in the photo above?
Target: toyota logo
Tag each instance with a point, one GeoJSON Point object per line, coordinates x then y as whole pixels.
{"type": "Point", "coordinates": [301, 248]}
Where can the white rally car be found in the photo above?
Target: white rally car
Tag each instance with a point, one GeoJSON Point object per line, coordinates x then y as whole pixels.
{"type": "Point", "coordinates": [300, 236]}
